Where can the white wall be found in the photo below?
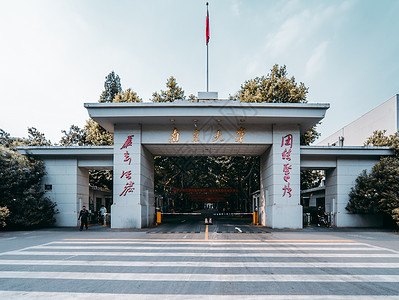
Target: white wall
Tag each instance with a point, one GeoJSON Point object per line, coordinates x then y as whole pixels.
{"type": "Point", "coordinates": [70, 189]}
{"type": "Point", "coordinates": [383, 117]}
{"type": "Point", "coordinates": [339, 182]}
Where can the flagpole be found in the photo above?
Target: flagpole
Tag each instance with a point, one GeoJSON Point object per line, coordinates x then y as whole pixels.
{"type": "Point", "coordinates": [207, 41]}
{"type": "Point", "coordinates": [207, 70]}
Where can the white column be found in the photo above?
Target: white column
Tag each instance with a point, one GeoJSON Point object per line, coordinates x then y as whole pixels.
{"type": "Point", "coordinates": [280, 179]}
{"type": "Point", "coordinates": [133, 180]}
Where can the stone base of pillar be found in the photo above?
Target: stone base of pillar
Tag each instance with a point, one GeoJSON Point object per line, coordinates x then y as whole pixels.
{"type": "Point", "coordinates": [284, 216]}
{"type": "Point", "coordinates": [125, 216]}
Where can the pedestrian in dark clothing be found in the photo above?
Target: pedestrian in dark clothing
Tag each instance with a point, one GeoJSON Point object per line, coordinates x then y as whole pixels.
{"type": "Point", "coordinates": [84, 217]}
{"type": "Point", "coordinates": [321, 217]}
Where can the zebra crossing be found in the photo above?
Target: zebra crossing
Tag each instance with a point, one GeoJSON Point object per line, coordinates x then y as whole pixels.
{"type": "Point", "coordinates": [200, 269]}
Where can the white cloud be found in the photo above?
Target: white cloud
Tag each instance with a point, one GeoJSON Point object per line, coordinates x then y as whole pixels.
{"type": "Point", "coordinates": [235, 8]}
{"type": "Point", "coordinates": [303, 27]}
{"type": "Point", "coordinates": [316, 61]}
{"type": "Point", "coordinates": [286, 35]}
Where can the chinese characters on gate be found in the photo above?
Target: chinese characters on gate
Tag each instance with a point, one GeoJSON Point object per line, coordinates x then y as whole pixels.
{"type": "Point", "coordinates": [286, 145]}
{"type": "Point", "coordinates": [127, 172]}
{"type": "Point", "coordinates": [175, 135]}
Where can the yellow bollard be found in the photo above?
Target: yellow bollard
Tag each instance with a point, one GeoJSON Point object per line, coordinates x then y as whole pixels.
{"type": "Point", "coordinates": [255, 218]}
{"type": "Point", "coordinates": [159, 217]}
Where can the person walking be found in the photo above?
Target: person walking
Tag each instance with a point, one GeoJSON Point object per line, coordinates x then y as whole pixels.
{"type": "Point", "coordinates": [103, 212]}
{"type": "Point", "coordinates": [83, 217]}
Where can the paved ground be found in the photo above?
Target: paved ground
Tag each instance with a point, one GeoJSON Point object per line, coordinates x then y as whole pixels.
{"type": "Point", "coordinates": [189, 260]}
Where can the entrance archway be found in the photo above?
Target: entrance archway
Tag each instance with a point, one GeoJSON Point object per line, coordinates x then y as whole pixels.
{"type": "Point", "coordinates": [216, 128]}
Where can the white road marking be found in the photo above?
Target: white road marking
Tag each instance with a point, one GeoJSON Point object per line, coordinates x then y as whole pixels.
{"type": "Point", "coordinates": [205, 264]}
{"type": "Point", "coordinates": [360, 236]}
{"type": "Point", "coordinates": [200, 277]}
{"type": "Point", "coordinates": [259, 249]}
{"type": "Point", "coordinates": [203, 254]}
{"type": "Point", "coordinates": [11, 295]}
{"type": "Point", "coordinates": [265, 248]}
{"type": "Point", "coordinates": [382, 248]}
{"type": "Point", "coordinates": [210, 243]}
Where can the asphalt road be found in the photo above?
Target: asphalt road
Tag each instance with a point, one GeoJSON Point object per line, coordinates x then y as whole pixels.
{"type": "Point", "coordinates": [186, 259]}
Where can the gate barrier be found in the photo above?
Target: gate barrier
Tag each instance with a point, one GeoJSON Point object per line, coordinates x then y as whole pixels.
{"type": "Point", "coordinates": [159, 215]}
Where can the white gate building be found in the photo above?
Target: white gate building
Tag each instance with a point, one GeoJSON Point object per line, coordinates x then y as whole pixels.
{"type": "Point", "coordinates": [212, 128]}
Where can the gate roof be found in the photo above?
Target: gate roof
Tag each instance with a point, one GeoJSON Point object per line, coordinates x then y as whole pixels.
{"type": "Point", "coordinates": [226, 111]}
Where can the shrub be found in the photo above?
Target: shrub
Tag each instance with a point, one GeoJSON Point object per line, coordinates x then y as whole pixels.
{"type": "Point", "coordinates": [21, 191]}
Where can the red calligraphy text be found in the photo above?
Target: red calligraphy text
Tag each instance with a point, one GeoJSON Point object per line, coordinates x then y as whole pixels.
{"type": "Point", "coordinates": [287, 140]}
{"type": "Point", "coordinates": [286, 170]}
{"type": "Point", "coordinates": [127, 189]}
{"type": "Point", "coordinates": [127, 157]}
{"type": "Point", "coordinates": [286, 154]}
{"type": "Point", "coordinates": [127, 174]}
{"type": "Point", "coordinates": [287, 190]}
{"type": "Point", "coordinates": [128, 141]}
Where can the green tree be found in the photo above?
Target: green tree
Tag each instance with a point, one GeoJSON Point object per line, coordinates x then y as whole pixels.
{"type": "Point", "coordinates": [173, 92]}
{"type": "Point", "coordinates": [4, 213]}
{"type": "Point", "coordinates": [96, 135]}
{"type": "Point", "coordinates": [386, 174]}
{"type": "Point", "coordinates": [311, 179]}
{"type": "Point", "coordinates": [112, 87]}
{"type": "Point", "coordinates": [378, 191]}
{"type": "Point", "coordinates": [395, 216]}
{"type": "Point", "coordinates": [36, 138]}
{"type": "Point", "coordinates": [127, 96]}
{"type": "Point", "coordinates": [309, 136]}
{"type": "Point", "coordinates": [6, 140]}
{"type": "Point", "coordinates": [74, 137]}
{"type": "Point", "coordinates": [378, 138]}
{"type": "Point", "coordinates": [21, 191]}
{"type": "Point", "coordinates": [192, 98]}
{"type": "Point", "coordinates": [363, 196]}
{"type": "Point", "coordinates": [275, 87]}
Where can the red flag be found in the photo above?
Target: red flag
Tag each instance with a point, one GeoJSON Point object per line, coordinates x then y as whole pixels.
{"type": "Point", "coordinates": [207, 26]}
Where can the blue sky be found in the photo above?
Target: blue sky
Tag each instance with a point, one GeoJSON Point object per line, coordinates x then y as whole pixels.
{"type": "Point", "coordinates": [55, 54]}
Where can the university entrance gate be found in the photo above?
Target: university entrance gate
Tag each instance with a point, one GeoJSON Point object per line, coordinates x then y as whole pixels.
{"type": "Point", "coordinates": [212, 128]}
